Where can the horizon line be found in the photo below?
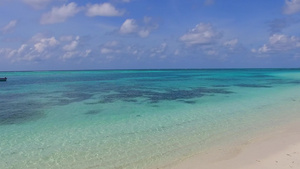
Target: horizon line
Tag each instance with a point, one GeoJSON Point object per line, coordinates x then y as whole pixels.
{"type": "Point", "coordinates": [146, 69]}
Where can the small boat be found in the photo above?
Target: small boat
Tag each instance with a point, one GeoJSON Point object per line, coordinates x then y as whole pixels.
{"type": "Point", "coordinates": [3, 79]}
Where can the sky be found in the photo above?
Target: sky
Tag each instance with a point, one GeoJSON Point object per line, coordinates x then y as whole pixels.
{"type": "Point", "coordinates": [148, 34]}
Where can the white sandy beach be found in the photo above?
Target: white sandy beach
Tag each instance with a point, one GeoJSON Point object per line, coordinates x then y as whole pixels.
{"type": "Point", "coordinates": [278, 150]}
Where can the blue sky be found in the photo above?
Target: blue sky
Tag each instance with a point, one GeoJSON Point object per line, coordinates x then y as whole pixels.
{"type": "Point", "coordinates": [140, 34]}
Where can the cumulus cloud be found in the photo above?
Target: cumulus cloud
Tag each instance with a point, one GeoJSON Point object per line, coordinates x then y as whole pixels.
{"type": "Point", "coordinates": [106, 50]}
{"type": "Point", "coordinates": [110, 47]}
{"type": "Point", "coordinates": [134, 50]}
{"type": "Point", "coordinates": [202, 34]}
{"type": "Point", "coordinates": [36, 49]}
{"type": "Point", "coordinates": [75, 53]}
{"type": "Point", "coordinates": [41, 47]}
{"type": "Point", "coordinates": [263, 49]}
{"type": "Point", "coordinates": [144, 33]}
{"type": "Point", "coordinates": [37, 4]}
{"type": "Point", "coordinates": [207, 41]}
{"type": "Point", "coordinates": [7, 28]}
{"type": "Point", "coordinates": [45, 43]}
{"type": "Point", "coordinates": [279, 43]}
{"type": "Point", "coordinates": [130, 26]}
{"type": "Point", "coordinates": [60, 14]}
{"type": "Point", "coordinates": [71, 48]}
{"type": "Point", "coordinates": [115, 49]}
{"type": "Point", "coordinates": [73, 45]}
{"type": "Point", "coordinates": [7, 52]}
{"type": "Point", "coordinates": [160, 51]}
{"type": "Point", "coordinates": [291, 6]}
{"type": "Point", "coordinates": [105, 9]}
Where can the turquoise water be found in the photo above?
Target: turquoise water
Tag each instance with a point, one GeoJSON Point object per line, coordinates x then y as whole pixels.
{"type": "Point", "coordinates": [137, 118]}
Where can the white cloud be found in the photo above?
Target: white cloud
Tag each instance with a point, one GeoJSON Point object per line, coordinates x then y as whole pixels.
{"type": "Point", "coordinates": [69, 55]}
{"type": "Point", "coordinates": [12, 24]}
{"type": "Point", "coordinates": [14, 54]}
{"type": "Point", "coordinates": [71, 49]}
{"type": "Point", "coordinates": [230, 43]}
{"type": "Point", "coordinates": [134, 50]}
{"type": "Point", "coordinates": [106, 50]}
{"type": "Point", "coordinates": [149, 26]}
{"type": "Point", "coordinates": [75, 54]}
{"type": "Point", "coordinates": [162, 48]}
{"type": "Point", "coordinates": [253, 50]}
{"type": "Point", "coordinates": [41, 47]}
{"type": "Point", "coordinates": [36, 49]}
{"type": "Point", "coordinates": [22, 48]}
{"type": "Point", "coordinates": [72, 46]}
{"type": "Point", "coordinates": [110, 47]}
{"type": "Point", "coordinates": [281, 39]}
{"type": "Point", "coordinates": [115, 49]}
{"type": "Point", "coordinates": [144, 33]}
{"type": "Point", "coordinates": [105, 9]}
{"type": "Point", "coordinates": [37, 4]}
{"type": "Point", "coordinates": [160, 51]}
{"type": "Point", "coordinates": [60, 14]}
{"type": "Point", "coordinates": [279, 43]}
{"type": "Point", "coordinates": [129, 26]}
{"type": "Point", "coordinates": [264, 49]}
{"type": "Point", "coordinates": [283, 42]}
{"type": "Point", "coordinates": [207, 41]}
{"type": "Point", "coordinates": [202, 34]}
{"type": "Point", "coordinates": [7, 52]}
{"type": "Point", "coordinates": [87, 52]}
{"type": "Point", "coordinates": [291, 6]}
{"type": "Point", "coordinates": [45, 43]}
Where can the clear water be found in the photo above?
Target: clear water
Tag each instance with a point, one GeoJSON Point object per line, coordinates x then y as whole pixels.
{"type": "Point", "coordinates": [136, 119]}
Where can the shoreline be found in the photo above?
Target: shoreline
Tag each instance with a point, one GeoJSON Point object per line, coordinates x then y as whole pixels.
{"type": "Point", "coordinates": [279, 149]}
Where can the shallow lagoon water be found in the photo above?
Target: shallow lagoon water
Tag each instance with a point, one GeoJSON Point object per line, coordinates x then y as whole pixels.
{"type": "Point", "coordinates": [137, 118]}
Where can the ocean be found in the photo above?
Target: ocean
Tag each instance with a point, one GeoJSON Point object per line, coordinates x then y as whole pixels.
{"type": "Point", "coordinates": [137, 119]}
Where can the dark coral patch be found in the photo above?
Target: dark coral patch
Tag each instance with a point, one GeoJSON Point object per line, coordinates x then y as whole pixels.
{"type": "Point", "coordinates": [16, 113]}
{"type": "Point", "coordinates": [253, 85]}
{"type": "Point", "coordinates": [155, 97]}
{"type": "Point", "coordinates": [93, 112]}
